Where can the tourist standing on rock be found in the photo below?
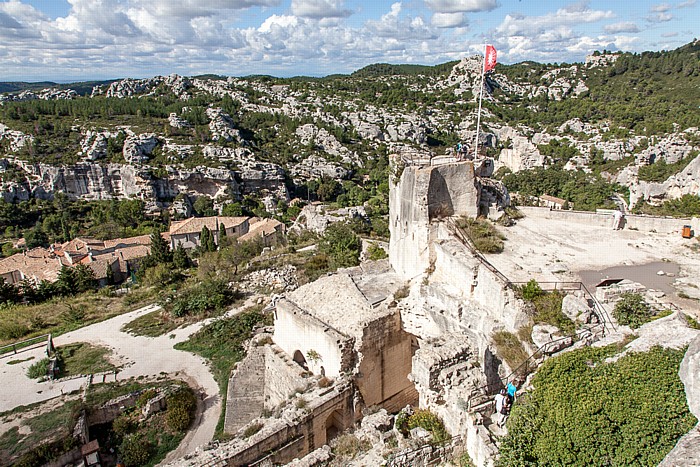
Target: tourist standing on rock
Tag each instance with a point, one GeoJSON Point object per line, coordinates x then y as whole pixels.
{"type": "Point", "coordinates": [502, 408]}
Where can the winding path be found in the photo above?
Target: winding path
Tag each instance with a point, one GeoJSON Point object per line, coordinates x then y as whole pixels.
{"type": "Point", "coordinates": [137, 356]}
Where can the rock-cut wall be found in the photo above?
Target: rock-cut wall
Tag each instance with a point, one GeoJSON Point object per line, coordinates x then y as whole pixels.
{"type": "Point", "coordinates": [421, 195]}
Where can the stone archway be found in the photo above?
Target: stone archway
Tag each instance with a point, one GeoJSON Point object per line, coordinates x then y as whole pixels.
{"type": "Point", "coordinates": [300, 360]}
{"type": "Point", "coordinates": [334, 425]}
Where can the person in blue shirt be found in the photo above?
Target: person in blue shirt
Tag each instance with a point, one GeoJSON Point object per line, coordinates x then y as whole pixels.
{"type": "Point", "coordinates": [511, 389]}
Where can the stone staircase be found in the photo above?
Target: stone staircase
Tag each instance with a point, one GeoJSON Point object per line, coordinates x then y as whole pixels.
{"type": "Point", "coordinates": [246, 391]}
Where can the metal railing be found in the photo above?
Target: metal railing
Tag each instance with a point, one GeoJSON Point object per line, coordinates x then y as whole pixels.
{"type": "Point", "coordinates": [27, 344]}
{"type": "Point", "coordinates": [483, 393]}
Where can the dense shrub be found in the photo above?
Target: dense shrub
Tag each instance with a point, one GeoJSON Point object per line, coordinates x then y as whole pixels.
{"type": "Point", "coordinates": [206, 296]}
{"type": "Point", "coordinates": [123, 425]}
{"type": "Point", "coordinates": [586, 412]}
{"type": "Point", "coordinates": [427, 420]}
{"type": "Point", "coordinates": [531, 290]}
{"type": "Point", "coordinates": [38, 370]}
{"type": "Point", "coordinates": [548, 311]}
{"type": "Point", "coordinates": [341, 245]}
{"type": "Point", "coordinates": [632, 310]}
{"type": "Point", "coordinates": [135, 450]}
{"type": "Point", "coordinates": [483, 234]}
{"type": "Point", "coordinates": [181, 407]}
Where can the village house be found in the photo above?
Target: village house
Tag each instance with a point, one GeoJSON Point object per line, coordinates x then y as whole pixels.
{"type": "Point", "coordinates": [187, 232]}
{"type": "Point", "coordinates": [552, 202]}
{"type": "Point", "coordinates": [44, 264]}
{"type": "Point", "coordinates": [269, 230]}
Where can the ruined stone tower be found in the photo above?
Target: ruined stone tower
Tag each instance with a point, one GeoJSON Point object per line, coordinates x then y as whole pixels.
{"type": "Point", "coordinates": [419, 195]}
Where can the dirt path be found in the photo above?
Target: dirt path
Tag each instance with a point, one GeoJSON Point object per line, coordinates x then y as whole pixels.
{"type": "Point", "coordinates": [137, 356]}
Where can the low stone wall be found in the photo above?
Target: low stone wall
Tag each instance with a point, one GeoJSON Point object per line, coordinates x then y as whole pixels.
{"type": "Point", "coordinates": [634, 222]}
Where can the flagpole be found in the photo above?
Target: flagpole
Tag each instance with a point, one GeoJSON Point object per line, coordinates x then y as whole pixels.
{"type": "Point", "coordinates": [481, 94]}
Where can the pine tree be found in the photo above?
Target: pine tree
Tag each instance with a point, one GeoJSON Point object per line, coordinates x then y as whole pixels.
{"type": "Point", "coordinates": [206, 240]}
{"type": "Point", "coordinates": [180, 258]}
{"type": "Point", "coordinates": [222, 233]}
{"type": "Point", "coordinates": [160, 250]}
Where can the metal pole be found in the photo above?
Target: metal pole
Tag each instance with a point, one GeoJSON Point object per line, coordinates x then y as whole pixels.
{"type": "Point", "coordinates": [478, 115]}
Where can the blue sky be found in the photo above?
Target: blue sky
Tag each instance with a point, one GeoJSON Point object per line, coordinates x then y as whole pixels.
{"type": "Point", "coordinates": [64, 40]}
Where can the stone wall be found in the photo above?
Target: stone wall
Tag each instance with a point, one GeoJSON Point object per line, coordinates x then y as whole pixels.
{"type": "Point", "coordinates": [385, 363]}
{"type": "Point", "coordinates": [298, 331]}
{"type": "Point", "coordinates": [286, 375]}
{"type": "Point", "coordinates": [641, 223]}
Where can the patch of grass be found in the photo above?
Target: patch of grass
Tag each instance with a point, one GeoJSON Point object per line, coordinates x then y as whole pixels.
{"type": "Point", "coordinates": [15, 362]}
{"type": "Point", "coordinates": [83, 358]}
{"type": "Point", "coordinates": [221, 343]}
{"type": "Point", "coordinates": [10, 443]}
{"type": "Point", "coordinates": [510, 349]}
{"type": "Point", "coordinates": [38, 370]}
{"type": "Point", "coordinates": [252, 429]}
{"type": "Point", "coordinates": [486, 238]}
{"type": "Point", "coordinates": [153, 324]}
{"type": "Point", "coordinates": [348, 446]}
{"type": "Point", "coordinates": [58, 316]}
{"type": "Point", "coordinates": [692, 322]}
{"type": "Point", "coordinates": [548, 311]}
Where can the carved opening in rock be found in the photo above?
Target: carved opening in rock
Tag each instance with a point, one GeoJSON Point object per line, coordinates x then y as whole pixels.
{"type": "Point", "coordinates": [334, 425]}
{"type": "Point", "coordinates": [299, 358]}
{"type": "Point", "coordinates": [439, 200]}
{"type": "Point", "coordinates": [323, 371]}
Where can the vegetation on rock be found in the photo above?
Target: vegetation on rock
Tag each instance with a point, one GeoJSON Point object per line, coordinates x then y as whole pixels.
{"type": "Point", "coordinates": [584, 411]}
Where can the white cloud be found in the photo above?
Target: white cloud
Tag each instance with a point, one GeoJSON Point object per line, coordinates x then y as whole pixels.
{"type": "Point", "coordinates": [394, 25]}
{"type": "Point", "coordinates": [517, 25]}
{"type": "Point", "coordinates": [660, 8]}
{"type": "Point", "coordinates": [448, 20]}
{"type": "Point", "coordinates": [320, 8]}
{"type": "Point", "coordinates": [660, 17]}
{"type": "Point", "coordinates": [624, 26]}
{"type": "Point", "coordinates": [461, 6]}
{"type": "Point", "coordinates": [687, 4]}
{"type": "Point", "coordinates": [670, 34]}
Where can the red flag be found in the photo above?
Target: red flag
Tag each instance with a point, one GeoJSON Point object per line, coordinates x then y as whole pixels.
{"type": "Point", "coordinates": [490, 59]}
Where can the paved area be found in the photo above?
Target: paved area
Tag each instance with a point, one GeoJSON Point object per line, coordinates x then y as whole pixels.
{"type": "Point", "coordinates": [551, 250]}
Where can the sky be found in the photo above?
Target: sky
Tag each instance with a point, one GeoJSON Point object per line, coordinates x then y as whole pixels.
{"type": "Point", "coordinates": [71, 40]}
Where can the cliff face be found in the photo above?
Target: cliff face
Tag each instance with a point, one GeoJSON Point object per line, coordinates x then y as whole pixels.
{"type": "Point", "coordinates": [110, 181]}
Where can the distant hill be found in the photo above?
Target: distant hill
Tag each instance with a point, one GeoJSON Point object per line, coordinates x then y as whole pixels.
{"type": "Point", "coordinates": [82, 87]}
{"type": "Point", "coordinates": [386, 69]}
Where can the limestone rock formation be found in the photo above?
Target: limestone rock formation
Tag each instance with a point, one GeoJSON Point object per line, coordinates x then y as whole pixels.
{"type": "Point", "coordinates": [316, 167]}
{"type": "Point", "coordinates": [177, 122]}
{"type": "Point", "coordinates": [326, 142]}
{"type": "Point", "coordinates": [138, 148]}
{"type": "Point", "coordinates": [683, 183]}
{"type": "Point", "coordinates": [577, 309]}
{"type": "Point", "coordinates": [549, 338]}
{"type": "Point", "coordinates": [317, 217]}
{"type": "Point", "coordinates": [221, 125]}
{"type": "Point", "coordinates": [17, 140]}
{"type": "Point", "coordinates": [686, 453]}
{"type": "Point", "coordinates": [94, 144]}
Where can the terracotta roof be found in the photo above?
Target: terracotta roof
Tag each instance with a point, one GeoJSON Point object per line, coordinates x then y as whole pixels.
{"type": "Point", "coordinates": [130, 241]}
{"type": "Point", "coordinates": [38, 263]}
{"type": "Point", "coordinates": [195, 224]}
{"type": "Point", "coordinates": [261, 228]}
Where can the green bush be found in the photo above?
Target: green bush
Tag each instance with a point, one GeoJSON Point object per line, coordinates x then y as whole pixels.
{"type": "Point", "coordinates": [180, 411]}
{"type": "Point", "coordinates": [583, 411]}
{"type": "Point", "coordinates": [510, 348]}
{"type": "Point", "coordinates": [12, 330]}
{"type": "Point", "coordinates": [483, 234]}
{"type": "Point", "coordinates": [123, 425]}
{"type": "Point", "coordinates": [632, 310]}
{"type": "Point", "coordinates": [531, 290]}
{"type": "Point", "coordinates": [548, 311]}
{"type": "Point", "coordinates": [375, 252]}
{"type": "Point", "coordinates": [427, 420]}
{"type": "Point", "coordinates": [38, 370]}
{"type": "Point", "coordinates": [135, 450]}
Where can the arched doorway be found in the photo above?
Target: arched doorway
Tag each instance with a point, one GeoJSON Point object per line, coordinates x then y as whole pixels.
{"type": "Point", "coordinates": [334, 425]}
{"type": "Point", "coordinates": [300, 360]}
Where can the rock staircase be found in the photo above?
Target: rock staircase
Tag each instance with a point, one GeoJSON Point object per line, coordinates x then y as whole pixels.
{"type": "Point", "coordinates": [246, 391]}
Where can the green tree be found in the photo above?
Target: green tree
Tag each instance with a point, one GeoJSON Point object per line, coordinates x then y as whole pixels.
{"type": "Point", "coordinates": [206, 240]}
{"type": "Point", "coordinates": [66, 283]}
{"type": "Point", "coordinates": [36, 237]}
{"type": "Point", "coordinates": [222, 234]}
{"type": "Point", "coordinates": [341, 245]}
{"type": "Point", "coordinates": [84, 278]}
{"type": "Point", "coordinates": [160, 250]}
{"type": "Point", "coordinates": [180, 258]}
{"type": "Point", "coordinates": [232, 210]}
{"type": "Point", "coordinates": [204, 206]}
